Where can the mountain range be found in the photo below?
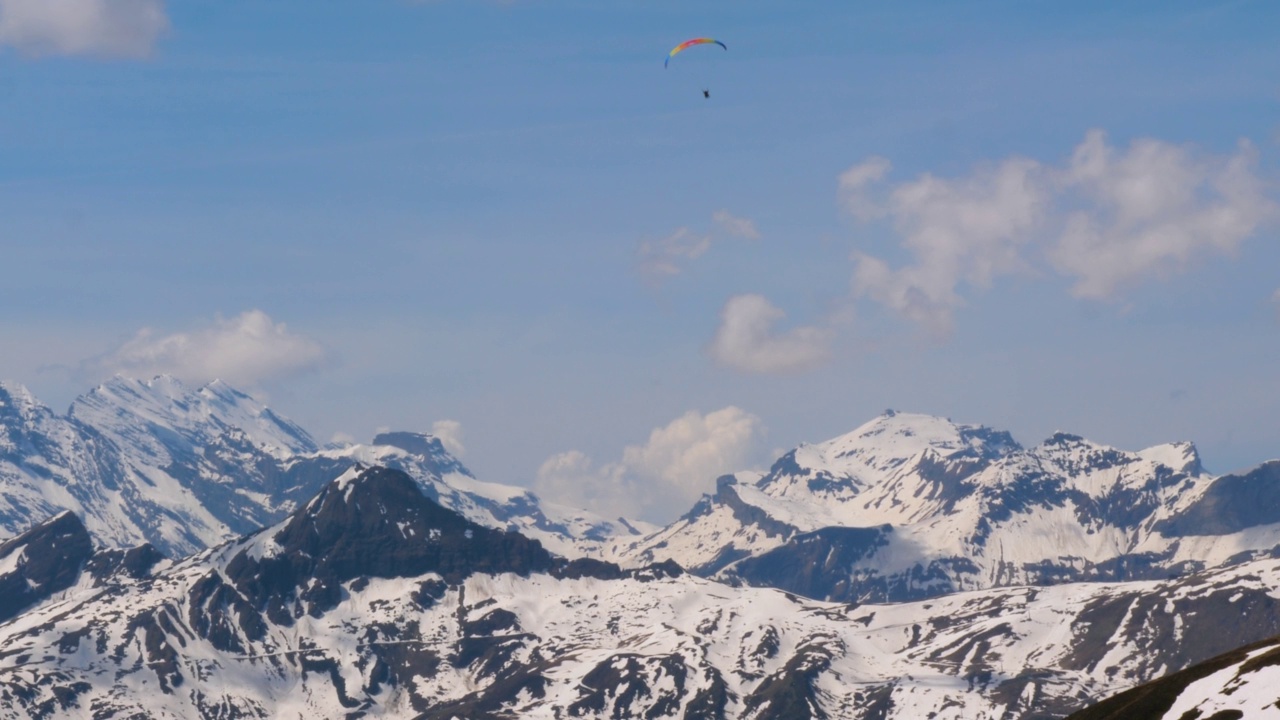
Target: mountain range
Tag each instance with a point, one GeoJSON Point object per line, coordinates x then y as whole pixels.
{"type": "Point", "coordinates": [373, 600]}
{"type": "Point", "coordinates": [908, 507]}
{"type": "Point", "coordinates": [914, 567]}
{"type": "Point", "coordinates": [186, 468]}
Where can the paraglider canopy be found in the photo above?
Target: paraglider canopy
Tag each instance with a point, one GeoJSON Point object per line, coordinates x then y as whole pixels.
{"type": "Point", "coordinates": [690, 43]}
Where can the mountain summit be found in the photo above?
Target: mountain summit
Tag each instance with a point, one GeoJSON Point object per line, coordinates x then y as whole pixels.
{"type": "Point", "coordinates": [912, 506]}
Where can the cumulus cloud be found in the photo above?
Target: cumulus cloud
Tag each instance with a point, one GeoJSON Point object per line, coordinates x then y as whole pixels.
{"type": "Point", "coordinates": [573, 478]}
{"type": "Point", "coordinates": [449, 433]}
{"type": "Point", "coordinates": [246, 350]}
{"type": "Point", "coordinates": [746, 339]}
{"type": "Point", "coordinates": [664, 476]}
{"type": "Point", "coordinates": [103, 28]}
{"type": "Point", "coordinates": [964, 231]}
{"type": "Point", "coordinates": [1107, 219]}
{"type": "Point", "coordinates": [1151, 210]}
{"type": "Point", "coordinates": [665, 257]}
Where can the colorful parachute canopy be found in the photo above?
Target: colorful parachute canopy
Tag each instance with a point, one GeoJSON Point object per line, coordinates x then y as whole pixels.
{"type": "Point", "coordinates": [689, 44]}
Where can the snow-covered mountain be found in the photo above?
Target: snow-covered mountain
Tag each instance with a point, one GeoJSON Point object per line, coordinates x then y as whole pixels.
{"type": "Point", "coordinates": [183, 469]}
{"type": "Point", "coordinates": [904, 507]}
{"type": "Point", "coordinates": [566, 531]}
{"type": "Point", "coordinates": [913, 506]}
{"type": "Point", "coordinates": [372, 600]}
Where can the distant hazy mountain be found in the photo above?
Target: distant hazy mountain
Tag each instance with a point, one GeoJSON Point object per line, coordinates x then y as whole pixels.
{"type": "Point", "coordinates": [372, 600]}
{"type": "Point", "coordinates": [183, 469]}
{"type": "Point", "coordinates": [912, 506]}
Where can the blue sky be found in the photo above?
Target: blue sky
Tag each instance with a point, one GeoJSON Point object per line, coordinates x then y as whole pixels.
{"type": "Point", "coordinates": [509, 215]}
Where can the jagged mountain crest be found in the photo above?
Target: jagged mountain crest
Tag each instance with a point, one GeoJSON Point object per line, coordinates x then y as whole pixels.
{"type": "Point", "coordinates": [185, 468]}
{"type": "Point", "coordinates": [912, 506]}
{"type": "Point", "coordinates": [133, 410]}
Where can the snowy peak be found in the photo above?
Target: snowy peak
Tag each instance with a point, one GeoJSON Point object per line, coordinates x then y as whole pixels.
{"type": "Point", "coordinates": [897, 468]}
{"type": "Point", "coordinates": [126, 407]}
{"type": "Point", "coordinates": [893, 437]}
{"type": "Point", "coordinates": [17, 403]}
{"type": "Point", "coordinates": [22, 417]}
{"type": "Point", "coordinates": [875, 450]}
{"type": "Point", "coordinates": [1182, 457]}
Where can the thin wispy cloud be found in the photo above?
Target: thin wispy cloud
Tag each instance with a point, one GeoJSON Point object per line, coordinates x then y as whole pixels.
{"type": "Point", "coordinates": [99, 28]}
{"type": "Point", "coordinates": [747, 339]}
{"type": "Point", "coordinates": [736, 226]}
{"type": "Point", "coordinates": [1106, 219]}
{"type": "Point", "coordinates": [246, 350]}
{"type": "Point", "coordinates": [661, 258]}
{"type": "Point", "coordinates": [673, 468]}
{"type": "Point", "coordinates": [855, 183]}
{"type": "Point", "coordinates": [664, 257]}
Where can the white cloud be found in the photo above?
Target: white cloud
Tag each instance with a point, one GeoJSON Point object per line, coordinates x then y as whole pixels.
{"type": "Point", "coordinates": [736, 226]}
{"type": "Point", "coordinates": [1153, 209]}
{"type": "Point", "coordinates": [660, 259]}
{"type": "Point", "coordinates": [960, 231]}
{"type": "Point", "coordinates": [245, 351]}
{"type": "Point", "coordinates": [105, 28]}
{"type": "Point", "coordinates": [573, 479]}
{"type": "Point", "coordinates": [662, 477]}
{"type": "Point", "coordinates": [449, 433]}
{"type": "Point", "coordinates": [746, 339]}
{"type": "Point", "coordinates": [1109, 220]}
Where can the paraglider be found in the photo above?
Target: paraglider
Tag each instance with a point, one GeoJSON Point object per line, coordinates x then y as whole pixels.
{"type": "Point", "coordinates": [706, 93]}
{"type": "Point", "coordinates": [688, 44]}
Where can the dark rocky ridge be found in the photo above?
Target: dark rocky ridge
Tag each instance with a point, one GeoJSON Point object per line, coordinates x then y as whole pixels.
{"type": "Point", "coordinates": [51, 557]}
{"type": "Point", "coordinates": [378, 524]}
